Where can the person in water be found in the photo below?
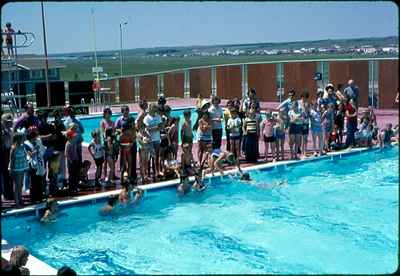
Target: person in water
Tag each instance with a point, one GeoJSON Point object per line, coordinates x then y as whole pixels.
{"type": "Point", "coordinates": [124, 195]}
{"type": "Point", "coordinates": [51, 209]}
{"type": "Point", "coordinates": [245, 177]}
{"type": "Point", "coordinates": [198, 184]}
{"type": "Point", "coordinates": [183, 187]}
{"type": "Point", "coordinates": [109, 207]}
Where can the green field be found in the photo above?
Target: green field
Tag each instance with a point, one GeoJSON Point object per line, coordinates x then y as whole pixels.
{"type": "Point", "coordinates": [81, 69]}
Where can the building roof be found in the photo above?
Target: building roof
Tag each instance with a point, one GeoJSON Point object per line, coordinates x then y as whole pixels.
{"type": "Point", "coordinates": [34, 63]}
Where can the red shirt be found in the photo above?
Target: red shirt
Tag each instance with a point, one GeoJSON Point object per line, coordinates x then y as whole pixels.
{"type": "Point", "coordinates": [351, 110]}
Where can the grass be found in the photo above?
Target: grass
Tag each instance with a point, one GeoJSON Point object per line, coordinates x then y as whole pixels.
{"type": "Point", "coordinates": [81, 69]}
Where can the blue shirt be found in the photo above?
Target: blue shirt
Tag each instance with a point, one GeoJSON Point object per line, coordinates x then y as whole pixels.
{"type": "Point", "coordinates": [286, 105]}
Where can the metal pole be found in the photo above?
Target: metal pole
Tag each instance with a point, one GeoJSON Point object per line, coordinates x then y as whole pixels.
{"type": "Point", "coordinates": [16, 80]}
{"type": "Point", "coordinates": [95, 54]}
{"type": "Point", "coordinates": [373, 84]}
{"type": "Point", "coordinates": [120, 50]}
{"type": "Point", "coordinates": [46, 59]}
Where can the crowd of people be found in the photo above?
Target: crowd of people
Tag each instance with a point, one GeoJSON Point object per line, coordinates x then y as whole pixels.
{"type": "Point", "coordinates": [38, 152]}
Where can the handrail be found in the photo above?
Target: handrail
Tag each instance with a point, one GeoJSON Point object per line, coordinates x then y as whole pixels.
{"type": "Point", "coordinates": [26, 43]}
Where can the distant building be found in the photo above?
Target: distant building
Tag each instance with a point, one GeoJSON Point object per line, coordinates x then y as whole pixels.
{"type": "Point", "coordinates": [369, 50]}
{"type": "Point", "coordinates": [28, 73]}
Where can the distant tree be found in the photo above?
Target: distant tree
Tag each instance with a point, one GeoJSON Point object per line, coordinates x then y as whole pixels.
{"type": "Point", "coordinates": [76, 76]}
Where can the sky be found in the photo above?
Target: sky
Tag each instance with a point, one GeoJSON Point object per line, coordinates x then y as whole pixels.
{"type": "Point", "coordinates": [69, 25]}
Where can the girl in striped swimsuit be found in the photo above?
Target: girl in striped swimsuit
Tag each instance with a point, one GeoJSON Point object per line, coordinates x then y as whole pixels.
{"type": "Point", "coordinates": [251, 129]}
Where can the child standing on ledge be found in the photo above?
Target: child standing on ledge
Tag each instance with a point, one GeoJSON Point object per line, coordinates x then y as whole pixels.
{"type": "Point", "coordinates": [96, 150]}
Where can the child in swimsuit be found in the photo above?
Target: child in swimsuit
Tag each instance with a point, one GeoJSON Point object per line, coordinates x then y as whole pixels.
{"type": "Point", "coordinates": [279, 133]}
{"type": "Point", "coordinates": [145, 153]}
{"type": "Point", "coordinates": [124, 195]}
{"type": "Point", "coordinates": [234, 124]}
{"type": "Point", "coordinates": [204, 134]}
{"type": "Point", "coordinates": [170, 166]}
{"type": "Point", "coordinates": [111, 150]}
{"type": "Point", "coordinates": [173, 136]}
{"type": "Point", "coordinates": [125, 142]}
{"type": "Point", "coordinates": [267, 129]}
{"type": "Point", "coordinates": [386, 136]}
{"type": "Point", "coordinates": [327, 122]}
{"type": "Point", "coordinates": [109, 207]}
{"type": "Point", "coordinates": [186, 131]}
{"type": "Point", "coordinates": [187, 160]}
{"type": "Point", "coordinates": [51, 211]}
{"type": "Point", "coordinates": [97, 151]}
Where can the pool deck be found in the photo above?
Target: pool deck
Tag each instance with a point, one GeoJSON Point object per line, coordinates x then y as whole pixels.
{"type": "Point", "coordinates": [383, 117]}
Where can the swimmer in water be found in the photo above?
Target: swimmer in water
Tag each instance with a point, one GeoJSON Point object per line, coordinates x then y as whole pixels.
{"type": "Point", "coordinates": [111, 202]}
{"type": "Point", "coordinates": [124, 195]}
{"type": "Point", "coordinates": [51, 209]}
{"type": "Point", "coordinates": [183, 187]}
{"type": "Point", "coordinates": [198, 184]}
{"type": "Point", "coordinates": [138, 196]}
{"type": "Point", "coordinates": [246, 178]}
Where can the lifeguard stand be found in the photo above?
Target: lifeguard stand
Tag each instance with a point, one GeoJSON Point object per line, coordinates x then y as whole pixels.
{"type": "Point", "coordinates": [9, 99]}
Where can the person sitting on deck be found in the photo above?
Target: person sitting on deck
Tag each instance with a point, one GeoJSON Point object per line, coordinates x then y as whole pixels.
{"type": "Point", "coordinates": [51, 209]}
{"type": "Point", "coordinates": [364, 135]}
{"type": "Point", "coordinates": [170, 165]}
{"type": "Point", "coordinates": [19, 258]}
{"type": "Point", "coordinates": [386, 136]}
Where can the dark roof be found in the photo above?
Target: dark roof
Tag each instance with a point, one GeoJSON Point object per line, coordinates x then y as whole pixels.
{"type": "Point", "coordinates": [34, 63]}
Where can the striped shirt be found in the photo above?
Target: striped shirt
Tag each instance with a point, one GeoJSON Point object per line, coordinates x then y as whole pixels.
{"type": "Point", "coordinates": [251, 125]}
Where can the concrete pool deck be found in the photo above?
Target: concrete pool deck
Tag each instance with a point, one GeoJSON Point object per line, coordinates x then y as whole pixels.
{"type": "Point", "coordinates": [383, 116]}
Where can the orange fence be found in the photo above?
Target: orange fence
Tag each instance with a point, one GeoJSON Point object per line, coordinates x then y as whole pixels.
{"type": "Point", "coordinates": [229, 81]}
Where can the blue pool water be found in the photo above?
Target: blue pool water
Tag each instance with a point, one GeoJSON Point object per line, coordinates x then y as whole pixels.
{"type": "Point", "coordinates": [334, 216]}
{"type": "Point", "coordinates": [94, 122]}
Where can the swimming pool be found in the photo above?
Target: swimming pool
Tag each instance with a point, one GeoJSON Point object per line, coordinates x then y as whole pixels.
{"type": "Point", "coordinates": [336, 215]}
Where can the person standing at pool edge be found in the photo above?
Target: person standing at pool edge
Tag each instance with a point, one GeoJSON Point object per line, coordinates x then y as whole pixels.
{"type": "Point", "coordinates": [152, 122]}
{"type": "Point", "coordinates": [286, 106]}
{"type": "Point", "coordinates": [105, 124]}
{"type": "Point", "coordinates": [70, 118]}
{"type": "Point", "coordinates": [216, 115]}
{"type": "Point", "coordinates": [352, 92]}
